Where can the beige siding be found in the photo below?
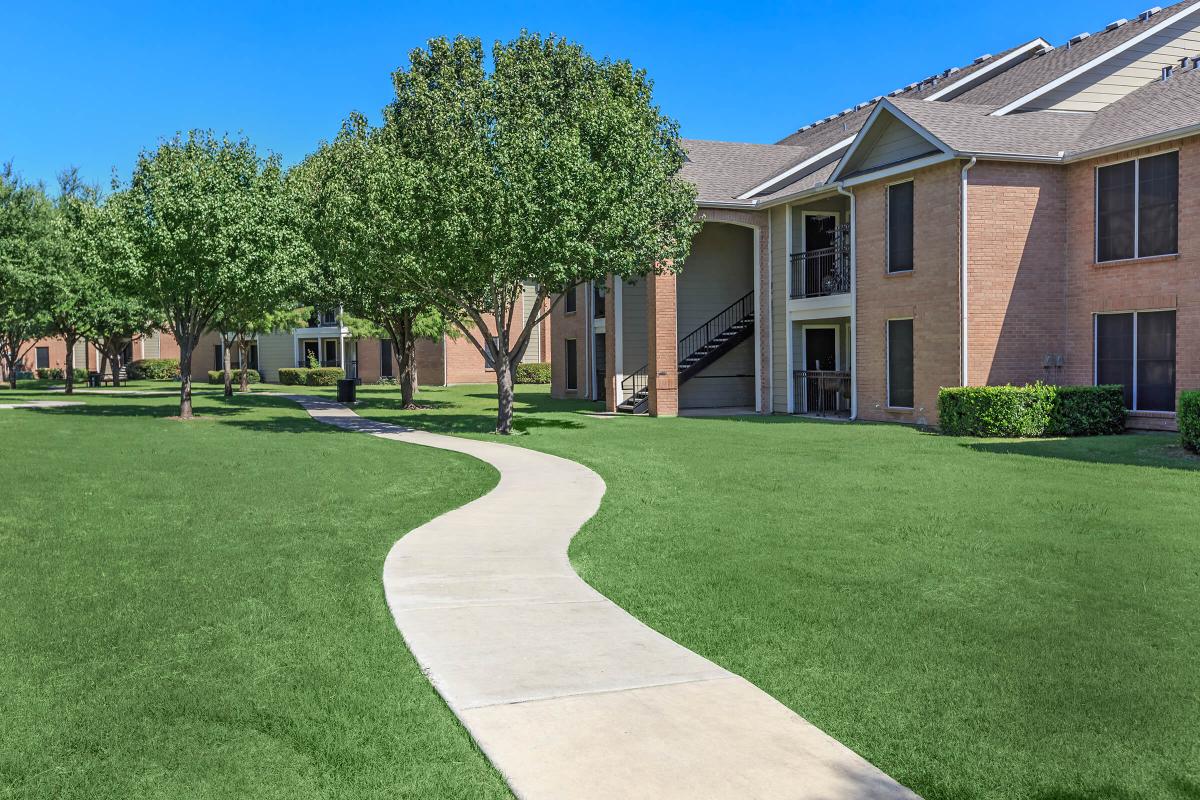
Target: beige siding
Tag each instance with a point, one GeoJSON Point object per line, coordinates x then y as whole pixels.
{"type": "Point", "coordinates": [888, 142]}
{"type": "Point", "coordinates": [1127, 71]}
{"type": "Point", "coordinates": [150, 346]}
{"type": "Point", "coordinates": [529, 300]}
{"type": "Point", "coordinates": [633, 326]}
{"type": "Point", "coordinates": [275, 350]}
{"type": "Point", "coordinates": [779, 262]}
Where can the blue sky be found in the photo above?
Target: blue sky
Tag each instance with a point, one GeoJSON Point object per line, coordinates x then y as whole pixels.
{"type": "Point", "coordinates": [90, 84]}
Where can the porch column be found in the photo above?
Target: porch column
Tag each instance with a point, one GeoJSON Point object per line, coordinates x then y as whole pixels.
{"type": "Point", "coordinates": [612, 330]}
{"type": "Point", "coordinates": [662, 339]}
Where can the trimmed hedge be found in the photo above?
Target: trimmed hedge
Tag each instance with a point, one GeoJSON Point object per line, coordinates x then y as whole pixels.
{"type": "Point", "coordinates": [218, 376]}
{"type": "Point", "coordinates": [315, 376]}
{"type": "Point", "coordinates": [153, 369]}
{"type": "Point", "coordinates": [60, 374]}
{"type": "Point", "coordinates": [1030, 411]}
{"type": "Point", "coordinates": [533, 372]}
{"type": "Point", "coordinates": [1189, 419]}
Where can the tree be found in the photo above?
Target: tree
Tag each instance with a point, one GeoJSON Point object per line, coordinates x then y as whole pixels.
{"type": "Point", "coordinates": [26, 250]}
{"type": "Point", "coordinates": [553, 168]}
{"type": "Point", "coordinates": [208, 221]}
{"type": "Point", "coordinates": [237, 333]}
{"type": "Point", "coordinates": [361, 221]}
{"type": "Point", "coordinates": [69, 276]}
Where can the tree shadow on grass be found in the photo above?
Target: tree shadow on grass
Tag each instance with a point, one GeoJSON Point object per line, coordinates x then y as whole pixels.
{"type": "Point", "coordinates": [1133, 449]}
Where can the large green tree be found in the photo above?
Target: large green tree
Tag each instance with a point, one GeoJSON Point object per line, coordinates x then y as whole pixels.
{"type": "Point", "coordinates": [554, 167]}
{"type": "Point", "coordinates": [361, 221]}
{"type": "Point", "coordinates": [70, 275]}
{"type": "Point", "coordinates": [208, 221]}
{"type": "Point", "coordinates": [27, 245]}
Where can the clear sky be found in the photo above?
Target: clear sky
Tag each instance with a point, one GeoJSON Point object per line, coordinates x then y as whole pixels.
{"type": "Point", "coordinates": [92, 83]}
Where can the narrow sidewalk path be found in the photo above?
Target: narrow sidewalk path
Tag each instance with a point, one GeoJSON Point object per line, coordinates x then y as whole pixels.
{"type": "Point", "coordinates": [565, 692]}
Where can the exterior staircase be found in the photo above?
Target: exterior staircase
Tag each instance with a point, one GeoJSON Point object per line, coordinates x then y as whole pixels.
{"type": "Point", "coordinates": [699, 349]}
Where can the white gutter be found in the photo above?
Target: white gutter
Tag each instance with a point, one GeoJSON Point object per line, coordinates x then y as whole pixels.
{"type": "Point", "coordinates": [853, 300]}
{"type": "Point", "coordinates": [964, 276]}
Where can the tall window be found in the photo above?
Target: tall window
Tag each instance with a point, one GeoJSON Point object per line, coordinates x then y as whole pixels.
{"type": "Point", "coordinates": [1137, 208]}
{"type": "Point", "coordinates": [572, 366]}
{"type": "Point", "coordinates": [900, 227]}
{"type": "Point", "coordinates": [1137, 351]}
{"type": "Point", "coordinates": [43, 358]}
{"type": "Point", "coordinates": [569, 301]}
{"type": "Point", "coordinates": [900, 363]}
{"type": "Point", "coordinates": [385, 358]}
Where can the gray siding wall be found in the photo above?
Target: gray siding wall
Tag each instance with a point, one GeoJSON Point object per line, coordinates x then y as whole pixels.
{"type": "Point", "coordinates": [633, 326]}
{"type": "Point", "coordinates": [889, 142]}
{"type": "Point", "coordinates": [275, 351]}
{"type": "Point", "coordinates": [150, 346]}
{"type": "Point", "coordinates": [529, 299]}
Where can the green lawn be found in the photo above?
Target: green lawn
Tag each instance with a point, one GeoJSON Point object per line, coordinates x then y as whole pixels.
{"type": "Point", "coordinates": [195, 610]}
{"type": "Point", "coordinates": [983, 620]}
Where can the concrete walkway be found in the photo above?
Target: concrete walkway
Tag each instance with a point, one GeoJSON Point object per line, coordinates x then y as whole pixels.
{"type": "Point", "coordinates": [40, 404]}
{"type": "Point", "coordinates": [568, 695]}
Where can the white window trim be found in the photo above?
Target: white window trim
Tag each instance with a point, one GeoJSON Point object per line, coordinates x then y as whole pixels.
{"type": "Point", "coordinates": [1137, 211]}
{"type": "Point", "coordinates": [1096, 352]}
{"type": "Point", "coordinates": [887, 373]}
{"type": "Point", "coordinates": [887, 228]}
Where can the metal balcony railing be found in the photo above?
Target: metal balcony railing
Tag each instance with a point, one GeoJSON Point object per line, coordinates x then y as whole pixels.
{"type": "Point", "coordinates": [822, 393]}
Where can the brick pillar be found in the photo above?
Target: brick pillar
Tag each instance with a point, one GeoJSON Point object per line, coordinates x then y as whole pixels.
{"type": "Point", "coordinates": [662, 340]}
{"type": "Point", "coordinates": [612, 330]}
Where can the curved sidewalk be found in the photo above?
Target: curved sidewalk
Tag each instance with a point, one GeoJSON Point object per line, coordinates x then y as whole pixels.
{"type": "Point", "coordinates": [566, 693]}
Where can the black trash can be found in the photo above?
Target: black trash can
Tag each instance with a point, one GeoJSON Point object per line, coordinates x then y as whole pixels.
{"type": "Point", "coordinates": [346, 391]}
{"type": "Point", "coordinates": [94, 380]}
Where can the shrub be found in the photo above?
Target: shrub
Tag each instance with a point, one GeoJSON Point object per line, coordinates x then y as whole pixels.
{"type": "Point", "coordinates": [325, 376]}
{"type": "Point", "coordinates": [1087, 411]}
{"type": "Point", "coordinates": [1034, 410]}
{"type": "Point", "coordinates": [218, 376]}
{"type": "Point", "coordinates": [1189, 420]}
{"type": "Point", "coordinates": [387, 380]}
{"type": "Point", "coordinates": [154, 369]}
{"type": "Point", "coordinates": [51, 374]}
{"type": "Point", "coordinates": [293, 376]}
{"type": "Point", "coordinates": [533, 372]}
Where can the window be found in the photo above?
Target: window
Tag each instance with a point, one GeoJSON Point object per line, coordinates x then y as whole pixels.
{"type": "Point", "coordinates": [331, 353]}
{"type": "Point", "coordinates": [1137, 208]}
{"type": "Point", "coordinates": [218, 362]}
{"type": "Point", "coordinates": [572, 366]}
{"type": "Point", "coordinates": [900, 363]}
{"type": "Point", "coordinates": [42, 357]}
{"type": "Point", "coordinates": [900, 227]}
{"type": "Point", "coordinates": [569, 301]}
{"type": "Point", "coordinates": [385, 358]}
{"type": "Point", "coordinates": [1137, 351]}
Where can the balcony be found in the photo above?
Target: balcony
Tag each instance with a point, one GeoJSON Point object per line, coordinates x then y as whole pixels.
{"type": "Point", "coordinates": [820, 273]}
{"type": "Point", "coordinates": [821, 393]}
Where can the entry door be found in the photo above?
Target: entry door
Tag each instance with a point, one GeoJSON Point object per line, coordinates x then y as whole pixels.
{"type": "Point", "coordinates": [331, 352]}
{"type": "Point", "coordinates": [601, 384]}
{"type": "Point", "coordinates": [819, 231]}
{"type": "Point", "coordinates": [820, 349]}
{"type": "Point", "coordinates": [310, 352]}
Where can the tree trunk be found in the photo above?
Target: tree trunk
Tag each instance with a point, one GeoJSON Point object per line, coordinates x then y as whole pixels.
{"type": "Point", "coordinates": [226, 366]}
{"type": "Point", "coordinates": [69, 372]}
{"type": "Point", "coordinates": [407, 348]}
{"type": "Point", "coordinates": [114, 360]}
{"type": "Point", "coordinates": [185, 377]}
{"type": "Point", "coordinates": [504, 392]}
{"type": "Point", "coordinates": [103, 358]}
{"type": "Point", "coordinates": [244, 357]}
{"type": "Point", "coordinates": [10, 362]}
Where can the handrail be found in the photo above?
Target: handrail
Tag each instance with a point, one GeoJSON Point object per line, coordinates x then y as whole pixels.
{"type": "Point", "coordinates": [724, 320]}
{"type": "Point", "coordinates": [635, 382]}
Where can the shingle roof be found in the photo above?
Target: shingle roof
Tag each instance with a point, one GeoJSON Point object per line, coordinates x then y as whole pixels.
{"type": "Point", "coordinates": [1158, 108]}
{"type": "Point", "coordinates": [1030, 75]}
{"type": "Point", "coordinates": [969, 128]}
{"type": "Point", "coordinates": [721, 171]}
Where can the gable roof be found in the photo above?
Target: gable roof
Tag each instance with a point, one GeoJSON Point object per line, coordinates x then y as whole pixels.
{"type": "Point", "coordinates": [1169, 108]}
{"type": "Point", "coordinates": [721, 171]}
{"type": "Point", "coordinates": [971, 129]}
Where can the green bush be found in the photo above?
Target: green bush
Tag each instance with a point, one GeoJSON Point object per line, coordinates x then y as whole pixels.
{"type": "Point", "coordinates": [293, 376]}
{"type": "Point", "coordinates": [50, 374]}
{"type": "Point", "coordinates": [1087, 411]}
{"type": "Point", "coordinates": [325, 376]}
{"type": "Point", "coordinates": [1189, 419]}
{"type": "Point", "coordinates": [387, 380]}
{"type": "Point", "coordinates": [1033, 410]}
{"type": "Point", "coordinates": [533, 372]}
{"type": "Point", "coordinates": [153, 369]}
{"type": "Point", "coordinates": [218, 376]}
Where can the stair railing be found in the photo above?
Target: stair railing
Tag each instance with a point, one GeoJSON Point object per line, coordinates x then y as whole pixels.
{"type": "Point", "coordinates": [723, 321]}
{"type": "Point", "coordinates": [635, 383]}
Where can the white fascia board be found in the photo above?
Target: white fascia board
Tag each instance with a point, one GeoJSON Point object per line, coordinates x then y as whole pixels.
{"type": "Point", "coordinates": [1095, 62]}
{"type": "Point", "coordinates": [1037, 45]}
{"type": "Point", "coordinates": [790, 171]}
{"type": "Point", "coordinates": [1132, 144]}
{"type": "Point", "coordinates": [900, 169]}
{"type": "Point", "coordinates": [891, 108]}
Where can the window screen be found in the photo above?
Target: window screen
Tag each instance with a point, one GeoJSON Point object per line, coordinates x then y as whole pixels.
{"type": "Point", "coordinates": [385, 358]}
{"type": "Point", "coordinates": [900, 363]}
{"type": "Point", "coordinates": [569, 301]}
{"type": "Point", "coordinates": [1156, 361]}
{"type": "Point", "coordinates": [1114, 352]}
{"type": "Point", "coordinates": [900, 227]}
{"type": "Point", "coordinates": [43, 357]}
{"type": "Point", "coordinates": [1158, 205]}
{"type": "Point", "coordinates": [1137, 208]}
{"type": "Point", "coordinates": [1115, 198]}
{"type": "Point", "coordinates": [572, 366]}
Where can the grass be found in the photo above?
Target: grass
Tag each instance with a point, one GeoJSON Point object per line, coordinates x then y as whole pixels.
{"type": "Point", "coordinates": [195, 610]}
{"type": "Point", "coordinates": [983, 620]}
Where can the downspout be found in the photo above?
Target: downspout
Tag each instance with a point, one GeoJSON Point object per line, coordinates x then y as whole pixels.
{"type": "Point", "coordinates": [841, 187]}
{"type": "Point", "coordinates": [963, 276]}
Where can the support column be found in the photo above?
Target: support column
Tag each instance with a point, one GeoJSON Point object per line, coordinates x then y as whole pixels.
{"type": "Point", "coordinates": [662, 340]}
{"type": "Point", "coordinates": [612, 329]}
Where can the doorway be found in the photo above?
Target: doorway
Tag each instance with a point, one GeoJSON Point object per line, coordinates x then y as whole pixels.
{"type": "Point", "coordinates": [820, 349]}
{"type": "Point", "coordinates": [820, 231]}
{"type": "Point", "coordinates": [311, 353]}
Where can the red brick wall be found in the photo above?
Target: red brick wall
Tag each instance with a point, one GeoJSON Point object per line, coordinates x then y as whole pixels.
{"type": "Point", "coordinates": [570, 326]}
{"type": "Point", "coordinates": [1017, 241]}
{"type": "Point", "coordinates": [1149, 284]}
{"type": "Point", "coordinates": [929, 294]}
{"type": "Point", "coordinates": [662, 332]}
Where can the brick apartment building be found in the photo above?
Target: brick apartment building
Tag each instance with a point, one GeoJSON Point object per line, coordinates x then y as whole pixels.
{"type": "Point", "coordinates": [1034, 215]}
